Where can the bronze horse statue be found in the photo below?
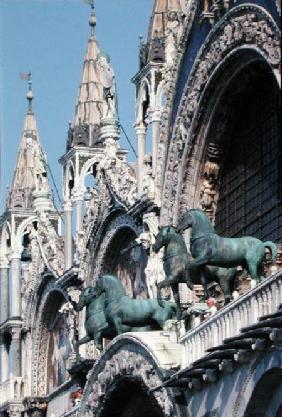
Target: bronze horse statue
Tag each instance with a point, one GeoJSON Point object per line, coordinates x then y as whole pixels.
{"type": "Point", "coordinates": [208, 248]}
{"type": "Point", "coordinates": [178, 268]}
{"type": "Point", "coordinates": [110, 312]}
{"type": "Point", "coordinates": [121, 310]}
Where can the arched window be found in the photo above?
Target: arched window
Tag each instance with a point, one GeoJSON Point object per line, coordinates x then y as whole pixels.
{"type": "Point", "coordinates": [250, 190]}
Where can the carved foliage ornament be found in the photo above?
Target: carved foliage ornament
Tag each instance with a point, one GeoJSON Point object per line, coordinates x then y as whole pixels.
{"type": "Point", "coordinates": [243, 26]}
{"type": "Point", "coordinates": [132, 365]}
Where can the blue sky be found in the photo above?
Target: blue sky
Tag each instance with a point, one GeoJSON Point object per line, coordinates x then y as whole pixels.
{"type": "Point", "coordinates": [49, 38]}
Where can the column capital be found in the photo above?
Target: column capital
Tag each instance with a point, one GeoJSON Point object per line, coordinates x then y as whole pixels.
{"type": "Point", "coordinates": [67, 205]}
{"type": "Point", "coordinates": [15, 410]}
{"type": "Point", "coordinates": [4, 263]}
{"type": "Point", "coordinates": [16, 254]}
{"type": "Point", "coordinates": [156, 115]}
{"type": "Point", "coordinates": [140, 128]}
{"type": "Point", "coordinates": [15, 332]}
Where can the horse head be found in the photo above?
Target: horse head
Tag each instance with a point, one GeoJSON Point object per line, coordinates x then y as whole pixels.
{"type": "Point", "coordinates": [196, 219]}
{"type": "Point", "coordinates": [161, 238]}
{"type": "Point", "coordinates": [86, 297]}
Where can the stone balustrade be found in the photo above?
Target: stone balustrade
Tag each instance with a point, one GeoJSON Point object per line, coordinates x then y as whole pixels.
{"type": "Point", "coordinates": [260, 301]}
{"type": "Point", "coordinates": [11, 390]}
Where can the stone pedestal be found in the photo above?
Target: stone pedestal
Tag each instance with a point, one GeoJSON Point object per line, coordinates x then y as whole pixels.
{"type": "Point", "coordinates": [109, 128]}
{"type": "Point", "coordinates": [42, 201]}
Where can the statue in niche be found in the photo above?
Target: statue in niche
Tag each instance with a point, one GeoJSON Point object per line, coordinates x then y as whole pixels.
{"type": "Point", "coordinates": [118, 172]}
{"type": "Point", "coordinates": [173, 33]}
{"type": "Point", "coordinates": [51, 243]}
{"type": "Point", "coordinates": [29, 160]}
{"type": "Point", "coordinates": [109, 87]}
{"type": "Point", "coordinates": [148, 181]}
{"type": "Point", "coordinates": [109, 107]}
{"type": "Point", "coordinates": [41, 180]}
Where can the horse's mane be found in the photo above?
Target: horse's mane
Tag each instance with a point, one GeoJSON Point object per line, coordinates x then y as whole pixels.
{"type": "Point", "coordinates": [114, 282]}
{"type": "Point", "coordinates": [202, 216]}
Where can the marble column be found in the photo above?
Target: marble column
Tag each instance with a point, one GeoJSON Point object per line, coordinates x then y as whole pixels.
{"type": "Point", "coordinates": [15, 352]}
{"type": "Point", "coordinates": [156, 125]}
{"type": "Point", "coordinates": [4, 360]}
{"type": "Point", "coordinates": [4, 290]}
{"type": "Point", "coordinates": [68, 235]}
{"type": "Point", "coordinates": [141, 132]}
{"type": "Point", "coordinates": [15, 286]}
{"type": "Point", "coordinates": [79, 213]}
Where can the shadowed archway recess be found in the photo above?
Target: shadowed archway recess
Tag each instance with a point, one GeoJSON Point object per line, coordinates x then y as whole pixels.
{"type": "Point", "coordinates": [249, 196]}
{"type": "Point", "coordinates": [127, 265]}
{"type": "Point", "coordinates": [129, 398]}
{"type": "Point", "coordinates": [263, 395]}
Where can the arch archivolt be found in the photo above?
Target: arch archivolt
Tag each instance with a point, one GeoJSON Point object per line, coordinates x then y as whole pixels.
{"type": "Point", "coordinates": [95, 257]}
{"type": "Point", "coordinates": [85, 170]}
{"type": "Point", "coordinates": [245, 29]}
{"type": "Point", "coordinates": [129, 358]}
{"type": "Point", "coordinates": [259, 367]}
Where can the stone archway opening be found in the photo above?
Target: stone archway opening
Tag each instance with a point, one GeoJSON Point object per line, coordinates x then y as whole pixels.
{"type": "Point", "coordinates": [263, 401]}
{"type": "Point", "coordinates": [129, 398]}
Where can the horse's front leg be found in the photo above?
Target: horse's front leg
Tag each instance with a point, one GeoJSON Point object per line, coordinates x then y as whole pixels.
{"type": "Point", "coordinates": [159, 293]}
{"type": "Point", "coordinates": [98, 341]}
{"type": "Point", "coordinates": [202, 254]}
{"type": "Point", "coordinates": [83, 341]}
{"type": "Point", "coordinates": [204, 283]}
{"type": "Point", "coordinates": [117, 321]}
{"type": "Point", "coordinates": [175, 290]}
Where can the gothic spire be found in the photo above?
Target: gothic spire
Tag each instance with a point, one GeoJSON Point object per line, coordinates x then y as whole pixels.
{"type": "Point", "coordinates": [96, 94]}
{"type": "Point", "coordinates": [30, 174]}
{"type": "Point", "coordinates": [159, 17]}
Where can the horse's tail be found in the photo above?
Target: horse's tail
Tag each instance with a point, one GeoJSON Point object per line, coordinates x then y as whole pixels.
{"type": "Point", "coordinates": [273, 249]}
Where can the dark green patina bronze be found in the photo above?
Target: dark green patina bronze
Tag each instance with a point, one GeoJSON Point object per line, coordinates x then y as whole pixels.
{"type": "Point", "coordinates": [110, 312]}
{"type": "Point", "coordinates": [178, 267]}
{"type": "Point", "coordinates": [208, 248]}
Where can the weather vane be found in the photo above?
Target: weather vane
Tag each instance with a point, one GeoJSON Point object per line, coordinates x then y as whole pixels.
{"type": "Point", "coordinates": [91, 3]}
{"type": "Point", "coordinates": [26, 76]}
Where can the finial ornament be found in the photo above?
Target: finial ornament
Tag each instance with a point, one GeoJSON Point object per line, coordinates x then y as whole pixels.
{"type": "Point", "coordinates": [92, 20]}
{"type": "Point", "coordinates": [26, 76]}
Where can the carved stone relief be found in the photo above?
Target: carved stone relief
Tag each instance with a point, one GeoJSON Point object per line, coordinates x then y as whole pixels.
{"type": "Point", "coordinates": [119, 174]}
{"type": "Point", "coordinates": [209, 187]}
{"type": "Point", "coordinates": [127, 363]}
